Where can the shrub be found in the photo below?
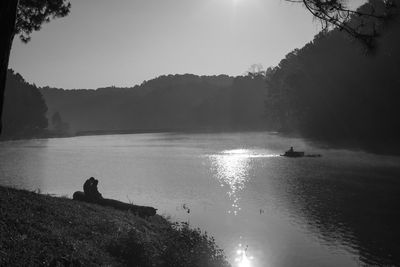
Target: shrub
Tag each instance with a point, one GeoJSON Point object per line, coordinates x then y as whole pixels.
{"type": "Point", "coordinates": [179, 246]}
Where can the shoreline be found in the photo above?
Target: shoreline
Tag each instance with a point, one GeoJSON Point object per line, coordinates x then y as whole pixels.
{"type": "Point", "coordinates": [137, 131]}
{"type": "Point", "coordinates": [373, 148]}
{"type": "Point", "coordinates": [45, 230]}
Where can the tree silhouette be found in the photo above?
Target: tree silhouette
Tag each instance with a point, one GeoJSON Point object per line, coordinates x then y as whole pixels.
{"type": "Point", "coordinates": [24, 113]}
{"type": "Point", "coordinates": [361, 24]}
{"type": "Point", "coordinates": [330, 91]}
{"type": "Point", "coordinates": [22, 18]}
{"type": "Point", "coordinates": [58, 125]}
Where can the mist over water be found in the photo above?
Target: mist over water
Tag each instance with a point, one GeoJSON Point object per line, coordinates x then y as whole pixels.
{"type": "Point", "coordinates": [263, 209]}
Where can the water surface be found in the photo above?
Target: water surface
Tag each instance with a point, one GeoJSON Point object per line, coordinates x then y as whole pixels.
{"type": "Point", "coordinates": [264, 210]}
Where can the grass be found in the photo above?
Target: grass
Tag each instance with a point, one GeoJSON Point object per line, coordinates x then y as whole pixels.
{"type": "Point", "coordinates": [41, 230]}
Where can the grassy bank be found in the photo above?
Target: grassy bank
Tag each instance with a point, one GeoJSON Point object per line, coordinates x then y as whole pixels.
{"type": "Point", "coordinates": [43, 230]}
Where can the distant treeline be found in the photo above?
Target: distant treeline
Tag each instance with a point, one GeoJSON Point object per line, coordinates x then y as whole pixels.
{"type": "Point", "coordinates": [333, 91]}
{"type": "Point", "coordinates": [173, 102]}
{"type": "Point", "coordinates": [24, 113]}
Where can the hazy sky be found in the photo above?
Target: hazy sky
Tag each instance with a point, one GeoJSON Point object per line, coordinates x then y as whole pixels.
{"type": "Point", "coordinates": [124, 42]}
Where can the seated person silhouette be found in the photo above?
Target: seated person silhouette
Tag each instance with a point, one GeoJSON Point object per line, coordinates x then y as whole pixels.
{"type": "Point", "coordinates": [91, 191]}
{"type": "Point", "coordinates": [96, 192]}
{"type": "Point", "coordinates": [87, 185]}
{"type": "Point", "coordinates": [91, 194]}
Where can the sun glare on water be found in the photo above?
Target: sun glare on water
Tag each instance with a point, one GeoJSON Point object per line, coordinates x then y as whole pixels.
{"type": "Point", "coordinates": [242, 260]}
{"type": "Point", "coordinates": [231, 168]}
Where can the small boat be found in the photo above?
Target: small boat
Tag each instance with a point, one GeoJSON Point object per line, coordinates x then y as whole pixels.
{"type": "Point", "coordinates": [299, 154]}
{"type": "Point", "coordinates": [293, 154]}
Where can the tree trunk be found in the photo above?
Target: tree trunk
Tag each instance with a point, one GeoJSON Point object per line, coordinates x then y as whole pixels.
{"type": "Point", "coordinates": [8, 12]}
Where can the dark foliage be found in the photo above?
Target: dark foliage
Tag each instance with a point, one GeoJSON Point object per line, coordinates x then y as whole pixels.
{"type": "Point", "coordinates": [191, 247]}
{"type": "Point", "coordinates": [31, 14]}
{"type": "Point", "coordinates": [58, 126]}
{"type": "Point", "coordinates": [180, 246]}
{"type": "Point", "coordinates": [173, 102]}
{"type": "Point", "coordinates": [331, 90]}
{"type": "Point", "coordinates": [361, 24]}
{"type": "Point", "coordinates": [131, 249]}
{"type": "Point", "coordinates": [25, 110]}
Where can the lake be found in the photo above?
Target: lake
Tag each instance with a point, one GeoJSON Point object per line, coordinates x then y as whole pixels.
{"type": "Point", "coordinates": [341, 209]}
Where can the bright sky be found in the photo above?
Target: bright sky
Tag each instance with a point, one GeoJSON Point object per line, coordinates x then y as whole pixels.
{"type": "Point", "coordinates": [125, 42]}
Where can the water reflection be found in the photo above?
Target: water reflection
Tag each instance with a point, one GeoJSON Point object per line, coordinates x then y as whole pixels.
{"type": "Point", "coordinates": [351, 209]}
{"type": "Point", "coordinates": [231, 169]}
{"type": "Point", "coordinates": [338, 210]}
{"type": "Point", "coordinates": [234, 169]}
{"type": "Point", "coordinates": [242, 259]}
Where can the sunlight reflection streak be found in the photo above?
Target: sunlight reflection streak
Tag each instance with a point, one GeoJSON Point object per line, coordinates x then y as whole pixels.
{"type": "Point", "coordinates": [231, 168]}
{"type": "Point", "coordinates": [242, 259]}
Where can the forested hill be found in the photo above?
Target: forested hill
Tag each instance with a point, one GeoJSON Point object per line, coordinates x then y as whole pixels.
{"type": "Point", "coordinates": [332, 90]}
{"type": "Point", "coordinates": [173, 102]}
{"type": "Point", "coordinates": [24, 112]}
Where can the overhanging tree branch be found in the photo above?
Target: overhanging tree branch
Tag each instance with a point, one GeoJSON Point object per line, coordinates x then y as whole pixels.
{"type": "Point", "coordinates": [361, 24]}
